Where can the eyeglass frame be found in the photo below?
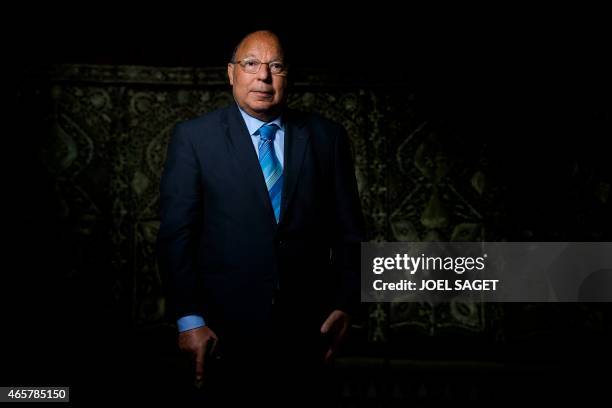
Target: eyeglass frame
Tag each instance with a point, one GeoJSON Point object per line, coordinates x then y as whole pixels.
{"type": "Point", "coordinates": [282, 73]}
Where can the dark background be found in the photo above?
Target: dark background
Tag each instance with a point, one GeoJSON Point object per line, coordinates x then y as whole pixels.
{"type": "Point", "coordinates": [520, 95]}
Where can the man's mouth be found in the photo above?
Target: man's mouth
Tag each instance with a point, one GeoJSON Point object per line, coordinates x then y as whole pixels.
{"type": "Point", "coordinates": [262, 94]}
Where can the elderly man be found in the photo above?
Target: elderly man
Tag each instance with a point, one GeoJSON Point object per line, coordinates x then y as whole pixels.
{"type": "Point", "coordinates": [260, 231]}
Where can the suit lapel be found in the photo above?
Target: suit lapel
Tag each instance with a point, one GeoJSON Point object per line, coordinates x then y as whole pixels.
{"type": "Point", "coordinates": [246, 158]}
{"type": "Point", "coordinates": [296, 140]}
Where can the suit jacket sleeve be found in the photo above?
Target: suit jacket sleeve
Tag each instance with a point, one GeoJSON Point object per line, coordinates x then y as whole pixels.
{"type": "Point", "coordinates": [180, 216]}
{"type": "Point", "coordinates": [349, 226]}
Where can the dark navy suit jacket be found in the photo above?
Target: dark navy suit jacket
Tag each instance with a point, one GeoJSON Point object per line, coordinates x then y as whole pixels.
{"type": "Point", "coordinates": [220, 250]}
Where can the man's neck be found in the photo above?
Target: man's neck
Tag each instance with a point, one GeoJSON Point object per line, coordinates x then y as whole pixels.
{"type": "Point", "coordinates": [263, 116]}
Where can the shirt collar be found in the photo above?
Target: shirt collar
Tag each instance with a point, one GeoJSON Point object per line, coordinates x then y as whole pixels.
{"type": "Point", "coordinates": [253, 124]}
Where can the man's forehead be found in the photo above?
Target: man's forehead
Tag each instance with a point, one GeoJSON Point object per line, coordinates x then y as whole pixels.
{"type": "Point", "coordinates": [260, 44]}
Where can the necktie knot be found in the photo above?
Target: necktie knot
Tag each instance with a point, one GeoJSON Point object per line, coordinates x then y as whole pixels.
{"type": "Point", "coordinates": [268, 132]}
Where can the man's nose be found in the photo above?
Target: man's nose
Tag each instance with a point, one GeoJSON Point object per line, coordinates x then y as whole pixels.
{"type": "Point", "coordinates": [264, 73]}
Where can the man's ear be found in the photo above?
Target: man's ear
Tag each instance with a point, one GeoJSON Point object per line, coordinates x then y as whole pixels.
{"type": "Point", "coordinates": [230, 73]}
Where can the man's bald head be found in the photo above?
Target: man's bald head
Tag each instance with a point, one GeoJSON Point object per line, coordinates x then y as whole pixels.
{"type": "Point", "coordinates": [260, 35]}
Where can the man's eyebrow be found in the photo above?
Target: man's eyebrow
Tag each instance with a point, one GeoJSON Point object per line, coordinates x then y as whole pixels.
{"type": "Point", "coordinates": [274, 59]}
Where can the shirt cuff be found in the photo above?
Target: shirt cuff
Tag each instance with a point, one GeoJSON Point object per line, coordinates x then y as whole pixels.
{"type": "Point", "coordinates": [190, 322]}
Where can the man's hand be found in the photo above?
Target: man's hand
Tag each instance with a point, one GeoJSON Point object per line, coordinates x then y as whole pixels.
{"type": "Point", "coordinates": [336, 324]}
{"type": "Point", "coordinates": [195, 342]}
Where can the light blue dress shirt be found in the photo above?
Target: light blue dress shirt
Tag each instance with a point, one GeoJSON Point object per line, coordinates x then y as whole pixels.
{"type": "Point", "coordinates": [253, 124]}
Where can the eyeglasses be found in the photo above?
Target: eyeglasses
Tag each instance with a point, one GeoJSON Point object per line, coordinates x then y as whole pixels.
{"type": "Point", "coordinates": [252, 65]}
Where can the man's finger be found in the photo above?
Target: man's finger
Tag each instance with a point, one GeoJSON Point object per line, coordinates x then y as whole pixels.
{"type": "Point", "coordinates": [199, 363]}
{"type": "Point", "coordinates": [337, 340]}
{"type": "Point", "coordinates": [212, 346]}
{"type": "Point", "coordinates": [329, 354]}
{"type": "Point", "coordinates": [335, 344]}
{"type": "Point", "coordinates": [328, 323]}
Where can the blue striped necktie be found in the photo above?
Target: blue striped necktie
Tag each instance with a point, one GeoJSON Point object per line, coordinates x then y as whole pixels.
{"type": "Point", "coordinates": [271, 167]}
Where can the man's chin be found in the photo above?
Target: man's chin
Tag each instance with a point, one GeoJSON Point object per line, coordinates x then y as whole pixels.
{"type": "Point", "coordinates": [262, 103]}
